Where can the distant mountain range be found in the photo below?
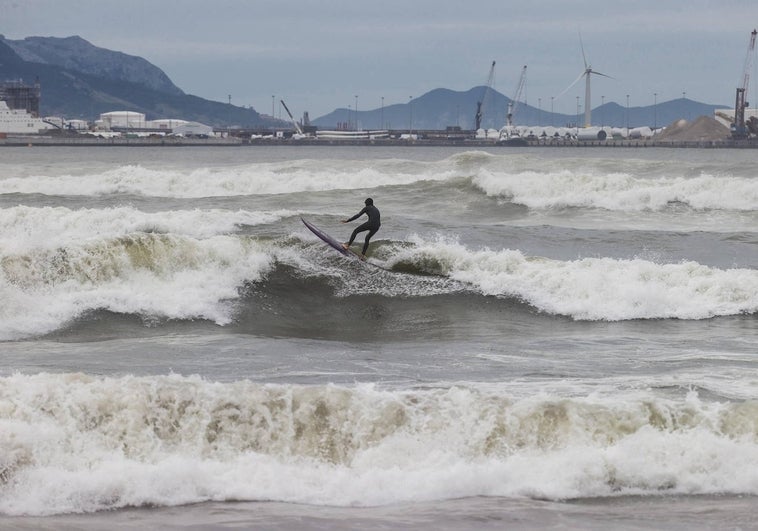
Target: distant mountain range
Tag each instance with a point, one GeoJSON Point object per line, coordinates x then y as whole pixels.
{"type": "Point", "coordinates": [442, 108]}
{"type": "Point", "coordinates": [80, 80]}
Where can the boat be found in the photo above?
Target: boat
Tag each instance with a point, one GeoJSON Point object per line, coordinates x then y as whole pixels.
{"type": "Point", "coordinates": [19, 121]}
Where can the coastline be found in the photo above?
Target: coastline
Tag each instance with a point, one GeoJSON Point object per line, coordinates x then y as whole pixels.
{"type": "Point", "coordinates": [232, 141]}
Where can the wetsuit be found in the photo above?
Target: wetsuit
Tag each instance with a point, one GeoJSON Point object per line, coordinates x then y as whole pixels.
{"type": "Point", "coordinates": [372, 225]}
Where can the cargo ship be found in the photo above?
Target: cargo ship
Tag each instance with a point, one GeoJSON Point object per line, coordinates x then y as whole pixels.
{"type": "Point", "coordinates": [19, 121]}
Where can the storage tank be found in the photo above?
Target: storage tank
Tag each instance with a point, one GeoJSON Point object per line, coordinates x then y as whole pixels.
{"type": "Point", "coordinates": [123, 119]}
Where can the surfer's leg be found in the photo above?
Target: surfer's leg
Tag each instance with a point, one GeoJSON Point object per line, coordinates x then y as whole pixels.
{"type": "Point", "coordinates": [347, 245]}
{"type": "Point", "coordinates": [371, 232]}
{"type": "Point", "coordinates": [359, 228]}
{"type": "Point", "coordinates": [350, 242]}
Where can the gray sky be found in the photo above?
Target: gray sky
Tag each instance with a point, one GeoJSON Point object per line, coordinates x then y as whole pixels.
{"type": "Point", "coordinates": [318, 55]}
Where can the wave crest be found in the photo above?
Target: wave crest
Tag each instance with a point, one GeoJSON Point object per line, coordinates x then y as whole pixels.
{"type": "Point", "coordinates": [593, 288]}
{"type": "Point", "coordinates": [146, 273]}
{"type": "Point", "coordinates": [618, 191]}
{"type": "Point", "coordinates": [73, 443]}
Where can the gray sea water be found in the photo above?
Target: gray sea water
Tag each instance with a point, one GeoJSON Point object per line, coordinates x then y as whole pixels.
{"type": "Point", "coordinates": [559, 338]}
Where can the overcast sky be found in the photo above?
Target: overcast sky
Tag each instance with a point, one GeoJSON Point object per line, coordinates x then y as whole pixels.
{"type": "Point", "coordinates": [320, 55]}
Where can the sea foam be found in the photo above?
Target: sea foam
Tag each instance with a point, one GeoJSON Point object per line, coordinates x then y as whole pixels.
{"type": "Point", "coordinates": [253, 179]}
{"type": "Point", "coordinates": [617, 191]}
{"type": "Point", "coordinates": [148, 274]}
{"type": "Point", "coordinates": [593, 288]}
{"type": "Point", "coordinates": [77, 443]}
{"type": "Point", "coordinates": [23, 228]}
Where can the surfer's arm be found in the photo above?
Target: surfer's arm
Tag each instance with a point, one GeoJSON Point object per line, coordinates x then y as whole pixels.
{"type": "Point", "coordinates": [359, 214]}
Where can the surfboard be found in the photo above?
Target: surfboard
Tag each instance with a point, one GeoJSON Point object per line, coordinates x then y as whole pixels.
{"type": "Point", "coordinates": [336, 245]}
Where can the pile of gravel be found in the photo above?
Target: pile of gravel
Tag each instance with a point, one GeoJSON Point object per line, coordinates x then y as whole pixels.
{"type": "Point", "coordinates": [702, 129]}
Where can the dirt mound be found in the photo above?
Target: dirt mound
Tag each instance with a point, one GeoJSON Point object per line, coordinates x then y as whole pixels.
{"type": "Point", "coordinates": [703, 128]}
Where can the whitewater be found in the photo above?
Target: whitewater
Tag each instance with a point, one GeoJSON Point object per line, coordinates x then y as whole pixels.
{"type": "Point", "coordinates": [557, 335]}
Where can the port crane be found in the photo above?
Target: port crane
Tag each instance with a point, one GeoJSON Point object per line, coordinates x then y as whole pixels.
{"type": "Point", "coordinates": [485, 93]}
{"type": "Point", "coordinates": [739, 129]}
{"type": "Point", "coordinates": [297, 125]}
{"type": "Point", "coordinates": [513, 104]}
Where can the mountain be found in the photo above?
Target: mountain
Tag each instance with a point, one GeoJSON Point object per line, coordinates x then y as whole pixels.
{"type": "Point", "coordinates": [78, 55]}
{"type": "Point", "coordinates": [79, 80]}
{"type": "Point", "coordinates": [441, 108]}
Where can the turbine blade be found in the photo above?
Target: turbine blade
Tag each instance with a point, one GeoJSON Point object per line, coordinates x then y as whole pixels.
{"type": "Point", "coordinates": [571, 85]}
{"type": "Point", "coordinates": [601, 74]}
{"type": "Point", "coordinates": [584, 57]}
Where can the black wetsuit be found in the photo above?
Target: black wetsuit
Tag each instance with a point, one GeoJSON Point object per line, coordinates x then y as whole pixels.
{"type": "Point", "coordinates": [372, 225]}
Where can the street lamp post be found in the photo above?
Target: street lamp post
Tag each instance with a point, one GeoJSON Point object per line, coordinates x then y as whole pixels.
{"type": "Point", "coordinates": [684, 100]}
{"type": "Point", "coordinates": [410, 119]}
{"type": "Point", "coordinates": [381, 125]}
{"type": "Point", "coordinates": [356, 112]}
{"type": "Point", "coordinates": [551, 112]}
{"type": "Point", "coordinates": [627, 114]}
{"type": "Point", "coordinates": [539, 115]}
{"type": "Point", "coordinates": [655, 111]}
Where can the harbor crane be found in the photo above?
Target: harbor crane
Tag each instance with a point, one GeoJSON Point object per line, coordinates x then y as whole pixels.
{"type": "Point", "coordinates": [740, 129]}
{"type": "Point", "coordinates": [513, 104]}
{"type": "Point", "coordinates": [485, 93]}
{"type": "Point", "coordinates": [297, 125]}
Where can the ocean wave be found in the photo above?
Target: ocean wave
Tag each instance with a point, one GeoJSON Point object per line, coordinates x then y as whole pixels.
{"type": "Point", "coordinates": [148, 274]}
{"type": "Point", "coordinates": [23, 227]}
{"type": "Point", "coordinates": [617, 190]}
{"type": "Point", "coordinates": [253, 179]}
{"type": "Point", "coordinates": [592, 288]}
{"type": "Point", "coordinates": [78, 443]}
{"type": "Point", "coordinates": [626, 185]}
{"type": "Point", "coordinates": [164, 276]}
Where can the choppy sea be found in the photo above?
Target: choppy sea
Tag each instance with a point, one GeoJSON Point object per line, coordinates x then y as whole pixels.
{"type": "Point", "coordinates": [560, 338]}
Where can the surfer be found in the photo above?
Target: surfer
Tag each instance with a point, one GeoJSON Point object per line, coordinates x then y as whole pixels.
{"type": "Point", "coordinates": [372, 225]}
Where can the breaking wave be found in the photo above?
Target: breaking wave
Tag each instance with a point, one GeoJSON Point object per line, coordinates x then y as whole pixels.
{"type": "Point", "coordinates": [78, 443]}
{"type": "Point", "coordinates": [592, 288]}
{"type": "Point", "coordinates": [24, 227]}
{"type": "Point", "coordinates": [619, 191]}
{"type": "Point", "coordinates": [254, 179]}
{"type": "Point", "coordinates": [169, 276]}
{"type": "Point", "coordinates": [175, 276]}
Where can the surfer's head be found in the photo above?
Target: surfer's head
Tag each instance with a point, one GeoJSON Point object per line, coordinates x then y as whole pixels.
{"type": "Point", "coordinates": [369, 201]}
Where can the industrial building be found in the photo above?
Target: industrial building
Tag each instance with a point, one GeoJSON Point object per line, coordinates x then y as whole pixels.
{"type": "Point", "coordinates": [18, 96]}
{"type": "Point", "coordinates": [135, 123]}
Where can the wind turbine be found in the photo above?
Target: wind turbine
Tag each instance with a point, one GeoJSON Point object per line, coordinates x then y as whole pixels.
{"type": "Point", "coordinates": [586, 74]}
